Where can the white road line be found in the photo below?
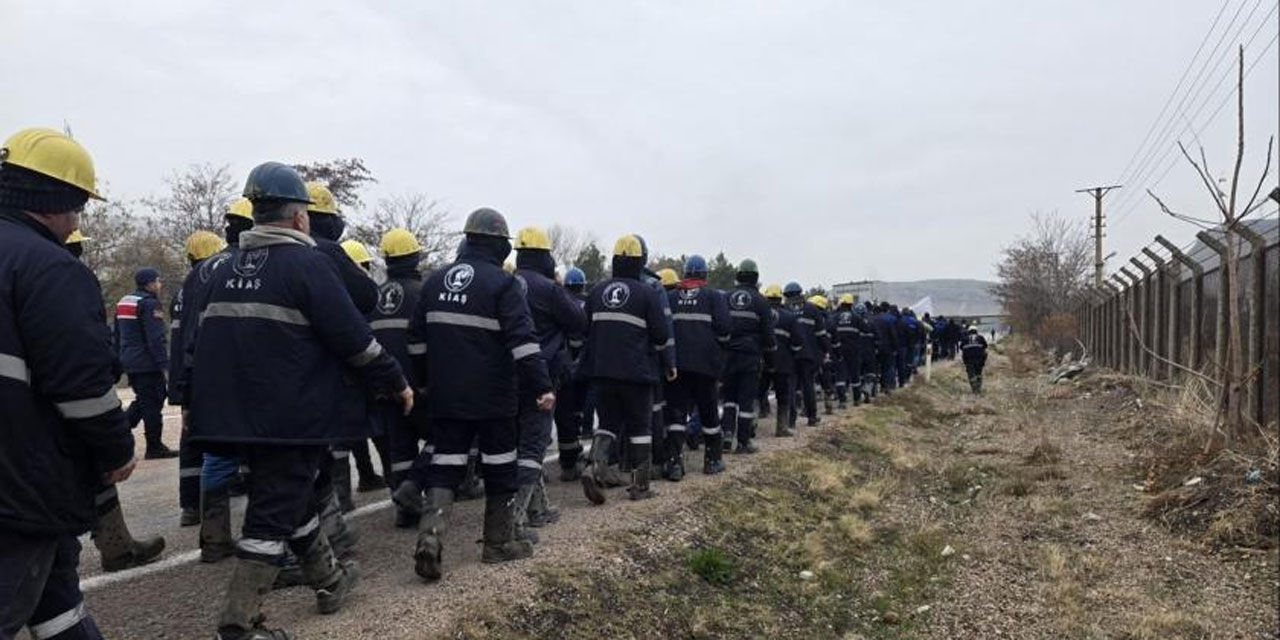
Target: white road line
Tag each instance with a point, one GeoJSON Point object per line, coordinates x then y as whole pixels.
{"type": "Point", "coordinates": [187, 557]}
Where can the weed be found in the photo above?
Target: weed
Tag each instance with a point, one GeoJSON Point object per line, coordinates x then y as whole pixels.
{"type": "Point", "coordinates": [712, 564]}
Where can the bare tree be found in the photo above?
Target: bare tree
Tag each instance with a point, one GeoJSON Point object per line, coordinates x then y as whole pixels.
{"type": "Point", "coordinates": [197, 199]}
{"type": "Point", "coordinates": [345, 177]}
{"type": "Point", "coordinates": [119, 242]}
{"type": "Point", "coordinates": [422, 216]}
{"type": "Point", "coordinates": [1042, 275]}
{"type": "Point", "coordinates": [1232, 375]}
{"type": "Point", "coordinates": [567, 242]}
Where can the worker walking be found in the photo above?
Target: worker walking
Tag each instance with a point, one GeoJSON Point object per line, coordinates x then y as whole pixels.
{"type": "Point", "coordinates": [201, 245]}
{"type": "Point", "coordinates": [390, 320]}
{"type": "Point", "coordinates": [751, 340]}
{"type": "Point", "coordinates": [571, 396]}
{"type": "Point", "coordinates": [973, 351]}
{"type": "Point", "coordinates": [276, 339]}
{"type": "Point", "coordinates": [480, 353]}
{"type": "Point", "coordinates": [700, 316]}
{"type": "Point", "coordinates": [140, 329]}
{"type": "Point", "coordinates": [782, 366]}
{"type": "Point", "coordinates": [627, 325]}
{"type": "Point", "coordinates": [850, 335]}
{"type": "Point", "coordinates": [63, 435]}
{"type": "Point", "coordinates": [812, 332]}
{"type": "Point", "coordinates": [557, 319]}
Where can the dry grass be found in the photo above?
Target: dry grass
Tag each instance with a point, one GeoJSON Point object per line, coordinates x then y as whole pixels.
{"type": "Point", "coordinates": [1167, 625]}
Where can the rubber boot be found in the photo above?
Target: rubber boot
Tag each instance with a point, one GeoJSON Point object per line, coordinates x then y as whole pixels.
{"type": "Point", "coordinates": [341, 536]}
{"type": "Point", "coordinates": [500, 544]}
{"type": "Point", "coordinates": [189, 517]}
{"type": "Point", "coordinates": [429, 553]}
{"type": "Point", "coordinates": [341, 473]}
{"type": "Point", "coordinates": [408, 504]}
{"type": "Point", "coordinates": [595, 479]}
{"type": "Point", "coordinates": [118, 548]}
{"type": "Point", "coordinates": [369, 479]}
{"type": "Point", "coordinates": [290, 572]}
{"type": "Point", "coordinates": [639, 489]}
{"type": "Point", "coordinates": [520, 515]}
{"type": "Point", "coordinates": [782, 424]}
{"type": "Point", "coordinates": [251, 580]}
{"type": "Point", "coordinates": [215, 525]}
{"type": "Point", "coordinates": [573, 473]}
{"type": "Point", "coordinates": [541, 511]}
{"type": "Point", "coordinates": [713, 455]}
{"type": "Point", "coordinates": [332, 580]}
{"type": "Point", "coordinates": [471, 488]}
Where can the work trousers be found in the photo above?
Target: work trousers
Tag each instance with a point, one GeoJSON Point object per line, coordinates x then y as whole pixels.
{"type": "Point", "coordinates": [190, 462]}
{"type": "Point", "coordinates": [806, 372]}
{"type": "Point", "coordinates": [404, 446]}
{"type": "Point", "coordinates": [453, 438]}
{"type": "Point", "coordinates": [284, 502]}
{"type": "Point", "coordinates": [885, 359]}
{"type": "Point", "coordinates": [784, 391]}
{"type": "Point", "coordinates": [689, 393]}
{"type": "Point", "coordinates": [534, 437]}
{"type": "Point", "coordinates": [626, 413]}
{"type": "Point", "coordinates": [571, 400]}
{"type": "Point", "coordinates": [40, 588]}
{"type": "Point", "coordinates": [851, 368]}
{"type": "Point", "coordinates": [148, 402]}
{"type": "Point", "coordinates": [740, 390]}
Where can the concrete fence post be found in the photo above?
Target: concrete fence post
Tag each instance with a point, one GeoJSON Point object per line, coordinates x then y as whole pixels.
{"type": "Point", "coordinates": [1161, 333]}
{"type": "Point", "coordinates": [1257, 305]}
{"type": "Point", "coordinates": [1146, 361]}
{"type": "Point", "coordinates": [1133, 321]}
{"type": "Point", "coordinates": [1192, 359]}
{"type": "Point", "coordinates": [1220, 331]}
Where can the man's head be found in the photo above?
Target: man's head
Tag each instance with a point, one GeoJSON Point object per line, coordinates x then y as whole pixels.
{"type": "Point", "coordinates": [49, 176]}
{"type": "Point", "coordinates": [147, 279]}
{"type": "Point", "coordinates": [279, 197]}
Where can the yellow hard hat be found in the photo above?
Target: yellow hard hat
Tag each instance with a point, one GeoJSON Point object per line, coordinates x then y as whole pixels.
{"type": "Point", "coordinates": [54, 154]}
{"type": "Point", "coordinates": [532, 238]}
{"type": "Point", "coordinates": [819, 301]}
{"type": "Point", "coordinates": [399, 242]}
{"type": "Point", "coordinates": [75, 237]}
{"type": "Point", "coordinates": [628, 246]}
{"type": "Point", "coordinates": [240, 208]}
{"type": "Point", "coordinates": [846, 298]}
{"type": "Point", "coordinates": [321, 199]}
{"type": "Point", "coordinates": [356, 250]}
{"type": "Point", "coordinates": [668, 277]}
{"type": "Point", "coordinates": [773, 291]}
{"type": "Point", "coordinates": [202, 244]}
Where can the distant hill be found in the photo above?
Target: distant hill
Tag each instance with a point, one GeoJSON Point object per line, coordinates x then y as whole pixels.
{"type": "Point", "coordinates": [951, 297]}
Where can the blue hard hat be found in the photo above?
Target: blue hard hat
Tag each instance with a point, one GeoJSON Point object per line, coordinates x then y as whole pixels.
{"type": "Point", "coordinates": [575, 276]}
{"type": "Point", "coordinates": [695, 266]}
{"type": "Point", "coordinates": [792, 289]}
{"type": "Point", "coordinates": [275, 181]}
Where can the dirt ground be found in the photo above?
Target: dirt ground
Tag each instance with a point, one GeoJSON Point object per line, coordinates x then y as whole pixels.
{"type": "Point", "coordinates": [1026, 512]}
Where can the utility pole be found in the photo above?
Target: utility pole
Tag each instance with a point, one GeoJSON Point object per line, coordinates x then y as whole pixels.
{"type": "Point", "coordinates": [1098, 260]}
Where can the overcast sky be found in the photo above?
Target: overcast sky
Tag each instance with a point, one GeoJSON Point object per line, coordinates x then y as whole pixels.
{"type": "Point", "coordinates": [830, 141]}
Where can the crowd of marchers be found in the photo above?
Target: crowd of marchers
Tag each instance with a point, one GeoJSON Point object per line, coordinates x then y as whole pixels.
{"type": "Point", "coordinates": [287, 358]}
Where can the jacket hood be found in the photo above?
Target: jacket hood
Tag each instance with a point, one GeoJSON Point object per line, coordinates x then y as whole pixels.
{"type": "Point", "coordinates": [627, 267]}
{"type": "Point", "coordinates": [404, 266]}
{"type": "Point", "coordinates": [536, 260]}
{"type": "Point", "coordinates": [327, 226]}
{"type": "Point", "coordinates": [490, 248]}
{"type": "Point", "coordinates": [266, 236]}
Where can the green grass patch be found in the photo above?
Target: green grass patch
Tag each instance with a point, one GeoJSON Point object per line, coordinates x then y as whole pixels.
{"type": "Point", "coordinates": [712, 564]}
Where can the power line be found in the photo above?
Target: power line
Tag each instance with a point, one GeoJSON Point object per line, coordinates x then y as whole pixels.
{"type": "Point", "coordinates": [1176, 88]}
{"type": "Point", "coordinates": [1151, 158]}
{"type": "Point", "coordinates": [1129, 205]}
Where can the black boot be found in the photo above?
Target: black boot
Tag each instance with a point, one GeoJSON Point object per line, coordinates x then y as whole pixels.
{"type": "Point", "coordinates": [332, 580]}
{"type": "Point", "coordinates": [471, 487]}
{"type": "Point", "coordinates": [341, 474]}
{"type": "Point", "coordinates": [500, 544]}
{"type": "Point", "coordinates": [408, 504]}
{"type": "Point", "coordinates": [429, 553]}
{"type": "Point", "coordinates": [599, 474]}
{"type": "Point", "coordinates": [639, 489]}
{"type": "Point", "coordinates": [541, 511]}
{"type": "Point", "coordinates": [520, 515]}
{"type": "Point", "coordinates": [215, 525]}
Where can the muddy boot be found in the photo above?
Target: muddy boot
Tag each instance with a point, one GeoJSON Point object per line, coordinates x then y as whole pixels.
{"type": "Point", "coordinates": [341, 473]}
{"type": "Point", "coordinates": [673, 469]}
{"type": "Point", "coordinates": [118, 548]}
{"type": "Point", "coordinates": [429, 553]}
{"type": "Point", "coordinates": [471, 488]}
{"type": "Point", "coordinates": [782, 425]}
{"type": "Point", "coordinates": [332, 580]}
{"type": "Point", "coordinates": [500, 544]}
{"type": "Point", "coordinates": [826, 405]}
{"type": "Point", "coordinates": [694, 440]}
{"type": "Point", "coordinates": [541, 511]}
{"type": "Point", "coordinates": [189, 517]}
{"type": "Point", "coordinates": [341, 536]}
{"type": "Point", "coordinates": [215, 525]}
{"type": "Point", "coordinates": [408, 504]}
{"type": "Point", "coordinates": [639, 489]}
{"type": "Point", "coordinates": [573, 473]}
{"type": "Point", "coordinates": [290, 573]}
{"type": "Point", "coordinates": [594, 480]}
{"type": "Point", "coordinates": [251, 580]}
{"type": "Point", "coordinates": [520, 515]}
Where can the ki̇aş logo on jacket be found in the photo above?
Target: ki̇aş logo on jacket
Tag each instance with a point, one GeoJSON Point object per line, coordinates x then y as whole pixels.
{"type": "Point", "coordinates": [615, 295]}
{"type": "Point", "coordinates": [456, 281]}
